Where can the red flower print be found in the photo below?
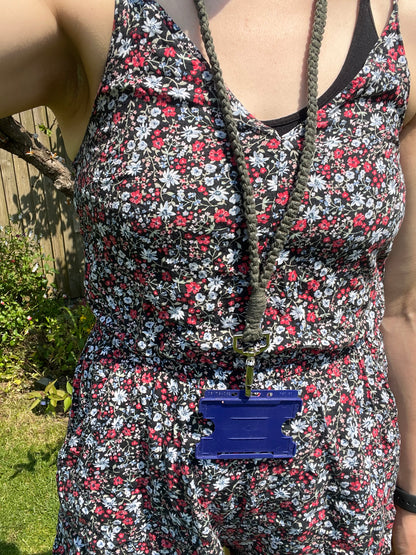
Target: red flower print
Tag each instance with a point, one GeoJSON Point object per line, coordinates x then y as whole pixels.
{"type": "Point", "coordinates": [353, 161]}
{"type": "Point", "coordinates": [216, 155]}
{"type": "Point", "coordinates": [169, 111]}
{"type": "Point", "coordinates": [359, 220]}
{"type": "Point", "coordinates": [169, 52]}
{"type": "Point", "coordinates": [180, 221]}
{"type": "Point", "coordinates": [136, 197]}
{"type": "Point", "coordinates": [300, 225]}
{"type": "Point", "coordinates": [273, 143]}
{"type": "Point", "coordinates": [282, 198]}
{"type": "Point", "coordinates": [203, 239]}
{"type": "Point", "coordinates": [262, 218]}
{"type": "Point", "coordinates": [221, 215]}
{"type": "Point", "coordinates": [324, 224]}
{"type": "Point", "coordinates": [192, 288]}
{"type": "Point", "coordinates": [198, 146]}
{"type": "Point", "coordinates": [292, 275]}
{"type": "Point", "coordinates": [158, 143]}
{"type": "Point", "coordinates": [156, 223]}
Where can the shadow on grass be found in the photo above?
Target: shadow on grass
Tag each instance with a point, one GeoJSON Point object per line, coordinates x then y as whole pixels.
{"type": "Point", "coordinates": [12, 549]}
{"type": "Point", "coordinates": [46, 454]}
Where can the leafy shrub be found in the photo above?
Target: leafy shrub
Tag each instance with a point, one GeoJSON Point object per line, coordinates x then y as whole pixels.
{"type": "Point", "coordinates": [23, 292]}
{"type": "Point", "coordinates": [51, 397]}
{"type": "Point", "coordinates": [41, 333]}
{"type": "Point", "coordinates": [61, 338]}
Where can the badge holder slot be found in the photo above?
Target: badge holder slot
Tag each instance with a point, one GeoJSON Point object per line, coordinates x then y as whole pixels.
{"type": "Point", "coordinates": [248, 427]}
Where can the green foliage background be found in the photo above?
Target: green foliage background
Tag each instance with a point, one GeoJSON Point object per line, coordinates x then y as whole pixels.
{"type": "Point", "coordinates": [41, 332]}
{"type": "Point", "coordinates": [41, 336]}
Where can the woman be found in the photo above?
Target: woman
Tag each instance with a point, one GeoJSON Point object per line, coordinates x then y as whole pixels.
{"type": "Point", "coordinates": [167, 267]}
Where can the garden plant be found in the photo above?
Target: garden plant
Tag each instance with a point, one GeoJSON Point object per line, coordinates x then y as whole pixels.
{"type": "Point", "coordinates": [41, 336]}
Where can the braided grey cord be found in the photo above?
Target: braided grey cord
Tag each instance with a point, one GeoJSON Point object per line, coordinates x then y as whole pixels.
{"type": "Point", "coordinates": [259, 278]}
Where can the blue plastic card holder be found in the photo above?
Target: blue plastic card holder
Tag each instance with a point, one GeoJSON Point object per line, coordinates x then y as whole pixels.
{"type": "Point", "coordinates": [248, 427]}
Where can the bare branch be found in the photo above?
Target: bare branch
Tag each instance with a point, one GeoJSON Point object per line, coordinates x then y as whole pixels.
{"type": "Point", "coordinates": [17, 140]}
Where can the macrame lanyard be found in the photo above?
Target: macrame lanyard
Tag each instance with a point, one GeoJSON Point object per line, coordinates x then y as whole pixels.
{"type": "Point", "coordinates": [260, 277]}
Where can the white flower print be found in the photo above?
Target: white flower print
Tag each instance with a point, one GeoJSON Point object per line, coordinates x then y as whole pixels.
{"type": "Point", "coordinates": [152, 26]}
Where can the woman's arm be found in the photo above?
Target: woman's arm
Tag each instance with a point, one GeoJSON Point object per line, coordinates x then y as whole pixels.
{"type": "Point", "coordinates": [399, 331]}
{"type": "Point", "coordinates": [35, 57]}
{"type": "Point", "coordinates": [399, 324]}
{"type": "Point", "coordinates": [52, 53]}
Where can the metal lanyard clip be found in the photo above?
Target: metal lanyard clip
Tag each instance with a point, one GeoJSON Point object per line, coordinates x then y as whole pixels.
{"type": "Point", "coordinates": [250, 358]}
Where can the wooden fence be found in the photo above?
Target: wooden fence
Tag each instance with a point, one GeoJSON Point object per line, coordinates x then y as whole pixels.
{"type": "Point", "coordinates": [29, 199]}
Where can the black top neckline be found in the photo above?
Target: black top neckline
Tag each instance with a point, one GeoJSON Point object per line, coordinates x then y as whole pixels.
{"type": "Point", "coordinates": [364, 38]}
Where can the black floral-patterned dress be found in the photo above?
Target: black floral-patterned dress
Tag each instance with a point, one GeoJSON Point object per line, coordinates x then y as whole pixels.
{"type": "Point", "coordinates": [167, 277]}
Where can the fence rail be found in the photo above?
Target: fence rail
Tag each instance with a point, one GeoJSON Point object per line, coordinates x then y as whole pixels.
{"type": "Point", "coordinates": [29, 199]}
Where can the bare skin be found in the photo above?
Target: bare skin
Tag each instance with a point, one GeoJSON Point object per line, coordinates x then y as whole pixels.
{"type": "Point", "coordinates": [53, 52]}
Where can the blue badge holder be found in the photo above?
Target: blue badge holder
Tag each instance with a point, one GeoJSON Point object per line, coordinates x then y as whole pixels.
{"type": "Point", "coordinates": [248, 427]}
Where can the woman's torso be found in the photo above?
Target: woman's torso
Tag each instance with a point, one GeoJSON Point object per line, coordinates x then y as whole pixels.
{"type": "Point", "coordinates": [161, 209]}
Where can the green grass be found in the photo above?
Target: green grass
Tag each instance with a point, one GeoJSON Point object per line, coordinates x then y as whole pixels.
{"type": "Point", "coordinates": [29, 446]}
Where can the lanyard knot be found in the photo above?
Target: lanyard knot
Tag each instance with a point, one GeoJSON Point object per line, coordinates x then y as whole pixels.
{"type": "Point", "coordinates": [254, 314]}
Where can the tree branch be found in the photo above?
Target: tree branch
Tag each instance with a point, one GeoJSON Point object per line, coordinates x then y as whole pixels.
{"type": "Point", "coordinates": [17, 140]}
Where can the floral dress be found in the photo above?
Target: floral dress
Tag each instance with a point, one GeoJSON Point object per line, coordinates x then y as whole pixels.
{"type": "Point", "coordinates": [167, 277]}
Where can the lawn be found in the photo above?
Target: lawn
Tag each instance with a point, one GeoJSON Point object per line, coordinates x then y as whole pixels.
{"type": "Point", "coordinates": [29, 446]}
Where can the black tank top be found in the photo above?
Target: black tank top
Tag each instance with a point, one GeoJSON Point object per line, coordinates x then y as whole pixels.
{"type": "Point", "coordinates": [364, 38]}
